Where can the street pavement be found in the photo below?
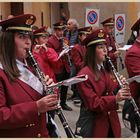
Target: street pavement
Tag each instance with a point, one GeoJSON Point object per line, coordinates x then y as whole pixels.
{"type": "Point", "coordinates": [73, 115]}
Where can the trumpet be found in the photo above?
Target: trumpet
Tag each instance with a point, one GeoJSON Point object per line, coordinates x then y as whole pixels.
{"type": "Point", "coordinates": [47, 91]}
{"type": "Point", "coordinates": [65, 50]}
{"type": "Point", "coordinates": [132, 101]}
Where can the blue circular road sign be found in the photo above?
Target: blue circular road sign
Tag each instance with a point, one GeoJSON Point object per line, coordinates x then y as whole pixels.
{"type": "Point", "coordinates": [92, 17]}
{"type": "Point", "coordinates": [120, 23]}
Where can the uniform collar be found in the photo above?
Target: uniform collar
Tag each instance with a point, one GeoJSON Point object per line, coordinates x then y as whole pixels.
{"type": "Point", "coordinates": [99, 66]}
{"type": "Point", "coordinates": [21, 63]}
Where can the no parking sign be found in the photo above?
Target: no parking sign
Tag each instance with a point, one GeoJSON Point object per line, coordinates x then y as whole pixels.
{"type": "Point", "coordinates": [119, 28]}
{"type": "Point", "coordinates": [92, 17]}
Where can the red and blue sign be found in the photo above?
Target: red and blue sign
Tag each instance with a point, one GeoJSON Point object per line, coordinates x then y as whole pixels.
{"type": "Point", "coordinates": [92, 17]}
{"type": "Point", "coordinates": [120, 23]}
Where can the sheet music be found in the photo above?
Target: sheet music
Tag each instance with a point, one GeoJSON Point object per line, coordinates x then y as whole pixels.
{"type": "Point", "coordinates": [70, 81]}
{"type": "Point", "coordinates": [135, 78]}
{"type": "Point", "coordinates": [75, 80]}
{"type": "Point", "coordinates": [125, 48]}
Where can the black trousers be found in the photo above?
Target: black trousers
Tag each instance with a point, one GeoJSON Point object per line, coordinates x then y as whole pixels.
{"type": "Point", "coordinates": [74, 87]}
{"type": "Point", "coordinates": [138, 133]}
{"type": "Point", "coordinates": [110, 131]}
{"type": "Point", "coordinates": [63, 89]}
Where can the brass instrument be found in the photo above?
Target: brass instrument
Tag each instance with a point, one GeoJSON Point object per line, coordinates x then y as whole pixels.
{"type": "Point", "coordinates": [66, 49]}
{"type": "Point", "coordinates": [47, 91]}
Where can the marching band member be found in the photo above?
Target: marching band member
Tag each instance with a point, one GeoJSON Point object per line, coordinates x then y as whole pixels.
{"type": "Point", "coordinates": [78, 51]}
{"type": "Point", "coordinates": [71, 33]}
{"type": "Point", "coordinates": [97, 92]}
{"type": "Point", "coordinates": [22, 104]}
{"type": "Point", "coordinates": [77, 55]}
{"type": "Point", "coordinates": [46, 57]}
{"type": "Point", "coordinates": [113, 53]}
{"type": "Point", "coordinates": [56, 41]}
{"type": "Point", "coordinates": [135, 32]}
{"type": "Point", "coordinates": [132, 62]}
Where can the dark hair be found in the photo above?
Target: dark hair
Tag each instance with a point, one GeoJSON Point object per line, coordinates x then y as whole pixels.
{"type": "Point", "coordinates": [34, 27]}
{"type": "Point", "coordinates": [8, 54]}
{"type": "Point", "coordinates": [132, 38]}
{"type": "Point", "coordinates": [90, 60]}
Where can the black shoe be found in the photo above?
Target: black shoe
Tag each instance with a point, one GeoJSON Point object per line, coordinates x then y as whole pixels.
{"type": "Point", "coordinates": [76, 100]}
{"type": "Point", "coordinates": [66, 107]}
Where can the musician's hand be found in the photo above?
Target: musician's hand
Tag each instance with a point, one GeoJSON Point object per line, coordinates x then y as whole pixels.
{"type": "Point", "coordinates": [48, 80]}
{"type": "Point", "coordinates": [116, 53]}
{"type": "Point", "coordinates": [49, 83]}
{"type": "Point", "coordinates": [37, 48]}
{"type": "Point", "coordinates": [45, 47]}
{"type": "Point", "coordinates": [123, 80]}
{"type": "Point", "coordinates": [123, 94]}
{"type": "Point", "coordinates": [47, 103]}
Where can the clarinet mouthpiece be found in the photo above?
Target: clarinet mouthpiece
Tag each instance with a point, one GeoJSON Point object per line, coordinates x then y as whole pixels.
{"type": "Point", "coordinates": [107, 57]}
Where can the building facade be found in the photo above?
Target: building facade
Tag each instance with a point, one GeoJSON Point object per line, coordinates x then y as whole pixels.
{"type": "Point", "coordinates": [48, 13]}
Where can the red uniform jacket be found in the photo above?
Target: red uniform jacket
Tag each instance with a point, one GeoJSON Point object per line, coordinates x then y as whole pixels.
{"type": "Point", "coordinates": [54, 43]}
{"type": "Point", "coordinates": [111, 48]}
{"type": "Point", "coordinates": [48, 61]}
{"type": "Point", "coordinates": [132, 61]}
{"type": "Point", "coordinates": [97, 97]}
{"type": "Point", "coordinates": [18, 110]}
{"type": "Point", "coordinates": [77, 56]}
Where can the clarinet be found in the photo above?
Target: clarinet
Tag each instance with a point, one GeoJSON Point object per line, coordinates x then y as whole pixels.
{"type": "Point", "coordinates": [132, 101]}
{"type": "Point", "coordinates": [47, 91]}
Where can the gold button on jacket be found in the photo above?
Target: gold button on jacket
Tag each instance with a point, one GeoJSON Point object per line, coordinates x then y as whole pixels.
{"type": "Point", "coordinates": [38, 135]}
